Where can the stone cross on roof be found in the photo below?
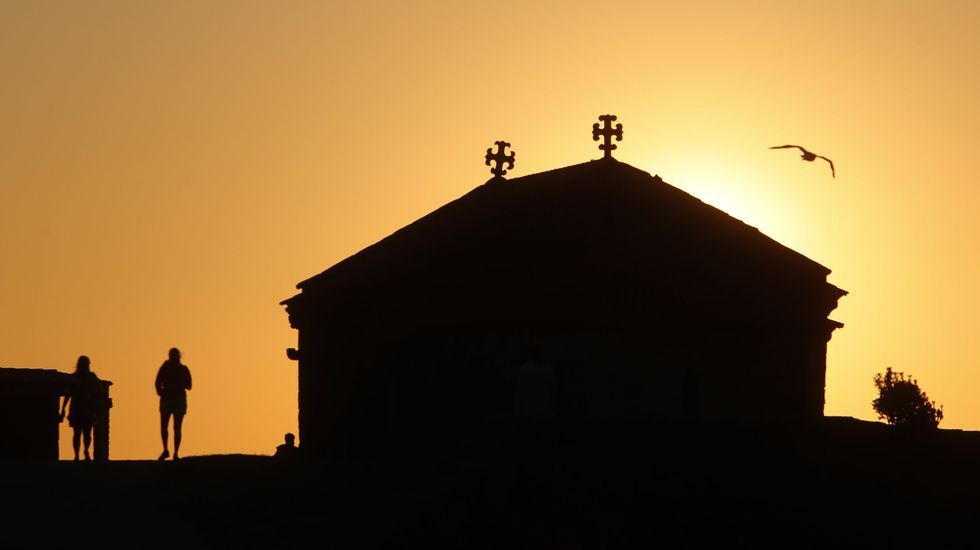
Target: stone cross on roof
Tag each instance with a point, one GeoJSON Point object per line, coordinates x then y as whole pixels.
{"type": "Point", "coordinates": [499, 158]}
{"type": "Point", "coordinates": [607, 132]}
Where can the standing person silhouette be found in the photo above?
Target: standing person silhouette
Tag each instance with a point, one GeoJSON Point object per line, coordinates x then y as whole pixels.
{"type": "Point", "coordinates": [82, 395]}
{"type": "Point", "coordinates": [173, 381]}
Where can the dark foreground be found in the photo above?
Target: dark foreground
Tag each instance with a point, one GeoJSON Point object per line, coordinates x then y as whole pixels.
{"type": "Point", "coordinates": [840, 482]}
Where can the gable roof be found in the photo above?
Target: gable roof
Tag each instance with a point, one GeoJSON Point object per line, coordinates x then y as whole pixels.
{"type": "Point", "coordinates": [601, 231]}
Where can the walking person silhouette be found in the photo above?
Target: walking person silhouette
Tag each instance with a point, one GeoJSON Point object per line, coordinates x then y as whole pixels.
{"type": "Point", "coordinates": [173, 381]}
{"type": "Point", "coordinates": [82, 395]}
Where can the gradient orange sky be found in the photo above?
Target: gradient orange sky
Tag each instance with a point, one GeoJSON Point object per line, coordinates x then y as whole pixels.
{"type": "Point", "coordinates": [170, 170]}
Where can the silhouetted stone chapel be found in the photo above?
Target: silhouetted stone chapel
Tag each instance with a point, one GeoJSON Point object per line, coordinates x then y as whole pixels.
{"type": "Point", "coordinates": [594, 291]}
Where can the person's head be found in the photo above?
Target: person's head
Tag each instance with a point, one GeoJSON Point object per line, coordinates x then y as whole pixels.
{"type": "Point", "coordinates": [290, 440]}
{"type": "Point", "coordinates": [175, 355]}
{"type": "Point", "coordinates": [83, 364]}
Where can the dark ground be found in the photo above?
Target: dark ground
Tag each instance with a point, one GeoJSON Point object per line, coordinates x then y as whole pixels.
{"type": "Point", "coordinates": [838, 482]}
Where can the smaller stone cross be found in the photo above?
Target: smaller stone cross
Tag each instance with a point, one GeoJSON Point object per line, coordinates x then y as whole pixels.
{"type": "Point", "coordinates": [499, 158]}
{"type": "Point", "coordinates": [607, 132]}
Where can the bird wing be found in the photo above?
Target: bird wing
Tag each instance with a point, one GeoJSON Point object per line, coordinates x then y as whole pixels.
{"type": "Point", "coordinates": [788, 147]}
{"type": "Point", "coordinates": [833, 174]}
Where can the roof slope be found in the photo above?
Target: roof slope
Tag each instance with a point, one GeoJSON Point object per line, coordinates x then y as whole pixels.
{"type": "Point", "coordinates": [598, 238]}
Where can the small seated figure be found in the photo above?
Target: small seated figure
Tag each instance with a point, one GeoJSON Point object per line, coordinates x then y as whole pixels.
{"type": "Point", "coordinates": [287, 450]}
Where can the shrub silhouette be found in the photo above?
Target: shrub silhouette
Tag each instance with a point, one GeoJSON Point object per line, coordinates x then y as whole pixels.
{"type": "Point", "coordinates": [901, 402]}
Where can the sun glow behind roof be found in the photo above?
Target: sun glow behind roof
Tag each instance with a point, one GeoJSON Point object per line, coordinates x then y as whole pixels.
{"type": "Point", "coordinates": [737, 187]}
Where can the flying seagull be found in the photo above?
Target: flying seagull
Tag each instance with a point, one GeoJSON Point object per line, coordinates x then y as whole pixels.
{"type": "Point", "coordinates": [807, 155]}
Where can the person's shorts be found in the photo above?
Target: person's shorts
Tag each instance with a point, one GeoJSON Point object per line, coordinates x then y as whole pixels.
{"type": "Point", "coordinates": [173, 405]}
{"type": "Point", "coordinates": [80, 419]}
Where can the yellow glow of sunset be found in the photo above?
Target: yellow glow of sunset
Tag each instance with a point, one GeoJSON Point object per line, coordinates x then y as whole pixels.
{"type": "Point", "coordinates": [169, 171]}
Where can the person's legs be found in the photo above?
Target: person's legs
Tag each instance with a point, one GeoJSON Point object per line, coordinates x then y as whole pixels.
{"type": "Point", "coordinates": [76, 437]}
{"type": "Point", "coordinates": [178, 421]}
{"type": "Point", "coordinates": [87, 436]}
{"type": "Point", "coordinates": [164, 420]}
